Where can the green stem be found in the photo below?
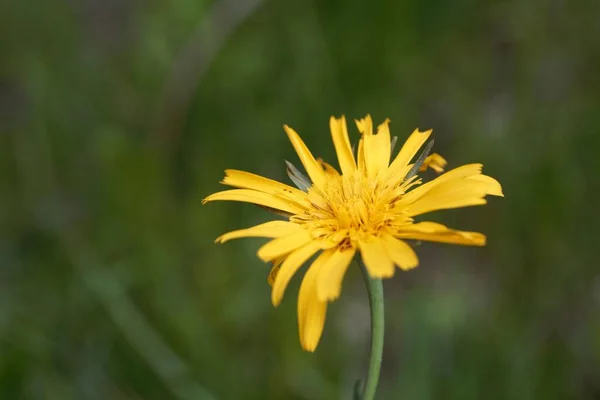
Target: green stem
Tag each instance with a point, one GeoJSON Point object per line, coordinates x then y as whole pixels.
{"type": "Point", "coordinates": [375, 291]}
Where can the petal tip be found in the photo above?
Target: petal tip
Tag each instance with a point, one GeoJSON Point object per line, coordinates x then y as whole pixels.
{"type": "Point", "coordinates": [408, 267]}
{"type": "Point", "coordinates": [478, 239]}
{"type": "Point", "coordinates": [264, 257]}
{"type": "Point", "coordinates": [289, 131]}
{"type": "Point", "coordinates": [262, 253]}
{"type": "Point", "coordinates": [275, 298]}
{"type": "Point", "coordinates": [382, 274]}
{"type": "Point", "coordinates": [223, 238]}
{"type": "Point", "coordinates": [309, 349]}
{"type": "Point", "coordinates": [327, 296]}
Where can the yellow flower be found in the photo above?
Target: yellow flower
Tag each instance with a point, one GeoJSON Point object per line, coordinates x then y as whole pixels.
{"type": "Point", "coordinates": [367, 208]}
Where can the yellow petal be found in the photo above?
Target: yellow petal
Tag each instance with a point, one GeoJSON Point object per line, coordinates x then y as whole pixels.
{"type": "Point", "coordinates": [435, 232]}
{"type": "Point", "coordinates": [397, 180]}
{"type": "Point", "coordinates": [255, 197]}
{"type": "Point", "coordinates": [314, 323]}
{"type": "Point", "coordinates": [461, 187]}
{"type": "Point", "coordinates": [314, 171]}
{"type": "Point", "coordinates": [330, 171]}
{"type": "Point", "coordinates": [454, 174]}
{"type": "Point", "coordinates": [339, 134]}
{"type": "Point", "coordinates": [360, 155]}
{"type": "Point", "coordinates": [288, 268]}
{"type": "Point", "coordinates": [492, 186]}
{"type": "Point", "coordinates": [461, 172]}
{"type": "Point", "coordinates": [383, 131]}
{"type": "Point", "coordinates": [274, 270]}
{"type": "Point", "coordinates": [247, 180]}
{"type": "Point", "coordinates": [434, 161]}
{"type": "Point", "coordinates": [446, 198]}
{"type": "Point", "coordinates": [400, 252]}
{"type": "Point", "coordinates": [365, 125]}
{"type": "Point", "coordinates": [408, 151]}
{"type": "Point", "coordinates": [283, 245]}
{"type": "Point", "coordinates": [376, 259]}
{"type": "Point", "coordinates": [454, 194]}
{"type": "Point", "coordinates": [329, 280]}
{"type": "Point", "coordinates": [271, 229]}
{"type": "Point", "coordinates": [311, 273]}
{"type": "Point", "coordinates": [283, 214]}
{"type": "Point", "coordinates": [311, 311]}
{"type": "Point", "coordinates": [377, 149]}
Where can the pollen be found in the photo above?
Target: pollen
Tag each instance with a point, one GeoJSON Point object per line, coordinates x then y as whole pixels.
{"type": "Point", "coordinates": [351, 208]}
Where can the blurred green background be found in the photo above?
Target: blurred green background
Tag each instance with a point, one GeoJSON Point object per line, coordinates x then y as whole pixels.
{"type": "Point", "coordinates": [118, 117]}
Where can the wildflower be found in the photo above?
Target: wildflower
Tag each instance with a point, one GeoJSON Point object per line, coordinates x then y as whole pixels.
{"type": "Point", "coordinates": [368, 208]}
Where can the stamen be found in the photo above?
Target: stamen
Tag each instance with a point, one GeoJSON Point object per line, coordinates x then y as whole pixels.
{"type": "Point", "coordinates": [351, 207]}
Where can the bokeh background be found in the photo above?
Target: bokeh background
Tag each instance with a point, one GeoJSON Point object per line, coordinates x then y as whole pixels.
{"type": "Point", "coordinates": [118, 117]}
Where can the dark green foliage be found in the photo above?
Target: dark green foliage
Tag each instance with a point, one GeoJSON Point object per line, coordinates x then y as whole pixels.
{"type": "Point", "coordinates": [111, 286]}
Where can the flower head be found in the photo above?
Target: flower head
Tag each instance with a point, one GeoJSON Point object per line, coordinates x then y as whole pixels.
{"type": "Point", "coordinates": [368, 208]}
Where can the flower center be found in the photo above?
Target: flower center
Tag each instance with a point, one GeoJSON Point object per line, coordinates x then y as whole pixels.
{"type": "Point", "coordinates": [350, 208]}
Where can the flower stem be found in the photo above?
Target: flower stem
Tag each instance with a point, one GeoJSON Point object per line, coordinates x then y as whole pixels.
{"type": "Point", "coordinates": [375, 291]}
